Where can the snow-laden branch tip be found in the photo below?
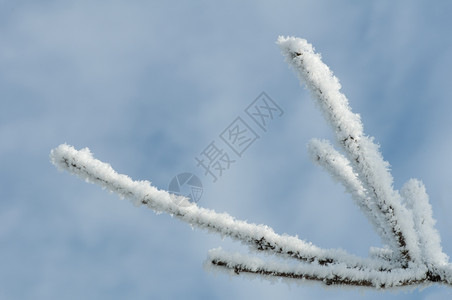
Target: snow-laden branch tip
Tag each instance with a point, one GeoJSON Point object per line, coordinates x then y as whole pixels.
{"type": "Point", "coordinates": [412, 254]}
{"type": "Point", "coordinates": [363, 154]}
{"type": "Point", "coordinates": [258, 237]}
{"type": "Point", "coordinates": [339, 167]}
{"type": "Point", "coordinates": [413, 192]}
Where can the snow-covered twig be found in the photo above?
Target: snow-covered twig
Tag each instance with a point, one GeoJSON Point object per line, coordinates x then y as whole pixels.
{"type": "Point", "coordinates": [366, 160]}
{"type": "Point", "coordinates": [258, 237]}
{"type": "Point", "coordinates": [413, 192]}
{"type": "Point", "coordinates": [412, 254]}
{"type": "Point", "coordinates": [323, 153]}
{"type": "Point", "coordinates": [334, 274]}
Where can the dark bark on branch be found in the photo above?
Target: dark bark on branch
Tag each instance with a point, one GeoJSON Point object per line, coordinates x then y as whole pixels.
{"type": "Point", "coordinates": [430, 277]}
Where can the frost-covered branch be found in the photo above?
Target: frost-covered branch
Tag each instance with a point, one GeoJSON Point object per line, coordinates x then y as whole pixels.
{"type": "Point", "coordinates": [335, 274]}
{"type": "Point", "coordinates": [366, 160]}
{"type": "Point", "coordinates": [413, 192]}
{"type": "Point", "coordinates": [323, 153]}
{"type": "Point", "coordinates": [412, 253]}
{"type": "Point", "coordinates": [258, 237]}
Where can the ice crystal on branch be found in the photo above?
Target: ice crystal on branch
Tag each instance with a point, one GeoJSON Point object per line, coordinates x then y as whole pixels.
{"type": "Point", "coordinates": [412, 254]}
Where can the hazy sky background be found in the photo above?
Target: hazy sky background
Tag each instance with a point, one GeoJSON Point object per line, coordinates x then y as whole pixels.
{"type": "Point", "coordinates": [148, 85]}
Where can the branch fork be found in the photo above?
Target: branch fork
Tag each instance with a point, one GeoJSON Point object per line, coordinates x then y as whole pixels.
{"type": "Point", "coordinates": [403, 219]}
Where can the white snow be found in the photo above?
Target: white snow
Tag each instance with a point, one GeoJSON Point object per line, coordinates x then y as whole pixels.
{"type": "Point", "coordinates": [330, 274]}
{"type": "Point", "coordinates": [412, 253]}
{"type": "Point", "coordinates": [362, 153]}
{"type": "Point", "coordinates": [259, 237]}
{"type": "Point", "coordinates": [340, 169]}
{"type": "Point", "coordinates": [415, 195]}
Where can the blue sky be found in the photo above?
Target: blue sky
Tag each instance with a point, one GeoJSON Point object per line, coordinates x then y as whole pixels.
{"type": "Point", "coordinates": [148, 85]}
